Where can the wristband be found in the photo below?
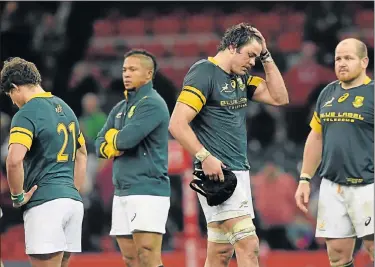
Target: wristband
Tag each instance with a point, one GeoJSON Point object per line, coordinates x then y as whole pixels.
{"type": "Point", "coordinates": [202, 154]}
{"type": "Point", "coordinates": [266, 57]}
{"type": "Point", "coordinates": [305, 178]}
{"type": "Point", "coordinates": [18, 199]}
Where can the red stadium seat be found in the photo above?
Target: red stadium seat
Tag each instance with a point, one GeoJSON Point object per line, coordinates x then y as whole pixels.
{"type": "Point", "coordinates": [179, 76]}
{"type": "Point", "coordinates": [225, 22]}
{"type": "Point", "coordinates": [365, 19]}
{"type": "Point", "coordinates": [166, 25]}
{"type": "Point", "coordinates": [168, 72]}
{"type": "Point", "coordinates": [210, 48]}
{"type": "Point", "coordinates": [293, 21]}
{"type": "Point", "coordinates": [157, 49]}
{"type": "Point", "coordinates": [290, 42]}
{"type": "Point", "coordinates": [267, 22]}
{"type": "Point", "coordinates": [133, 26]}
{"type": "Point", "coordinates": [186, 49]}
{"type": "Point", "coordinates": [369, 38]}
{"type": "Point", "coordinates": [104, 28]}
{"type": "Point", "coordinates": [200, 23]}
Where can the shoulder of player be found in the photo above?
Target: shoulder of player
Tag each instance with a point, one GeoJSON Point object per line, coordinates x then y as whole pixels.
{"type": "Point", "coordinates": [153, 100]}
{"type": "Point", "coordinates": [329, 88]}
{"type": "Point", "coordinates": [203, 65]}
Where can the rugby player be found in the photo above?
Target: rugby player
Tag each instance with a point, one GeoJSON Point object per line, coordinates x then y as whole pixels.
{"type": "Point", "coordinates": [341, 141]}
{"type": "Point", "coordinates": [209, 122]}
{"type": "Point", "coordinates": [46, 166]}
{"type": "Point", "coordinates": [136, 136]}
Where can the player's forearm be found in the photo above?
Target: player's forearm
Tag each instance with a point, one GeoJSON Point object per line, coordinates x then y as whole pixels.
{"type": "Point", "coordinates": [312, 154]}
{"type": "Point", "coordinates": [275, 83]}
{"type": "Point", "coordinates": [183, 133]}
{"type": "Point", "coordinates": [128, 138]}
{"type": "Point", "coordinates": [80, 169]}
{"type": "Point", "coordinates": [15, 176]}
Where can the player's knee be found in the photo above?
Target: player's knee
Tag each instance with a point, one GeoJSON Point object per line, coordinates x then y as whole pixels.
{"type": "Point", "coordinates": [130, 260]}
{"type": "Point", "coordinates": [222, 253]}
{"type": "Point", "coordinates": [145, 254]}
{"type": "Point", "coordinates": [225, 256]}
{"type": "Point", "coordinates": [369, 246]}
{"type": "Point", "coordinates": [338, 255]}
{"type": "Point", "coordinates": [248, 247]}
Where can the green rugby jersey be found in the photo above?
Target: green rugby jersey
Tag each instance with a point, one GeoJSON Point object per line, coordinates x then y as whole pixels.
{"type": "Point", "coordinates": [49, 129]}
{"type": "Point", "coordinates": [346, 120]}
{"type": "Point", "coordinates": [220, 99]}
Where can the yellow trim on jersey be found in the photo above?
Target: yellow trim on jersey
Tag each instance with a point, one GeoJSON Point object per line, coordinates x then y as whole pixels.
{"type": "Point", "coordinates": [101, 149]}
{"type": "Point", "coordinates": [108, 151]}
{"type": "Point", "coordinates": [20, 138]}
{"type": "Point", "coordinates": [367, 80]}
{"type": "Point", "coordinates": [22, 130]}
{"type": "Point", "coordinates": [315, 123]}
{"type": "Point", "coordinates": [192, 97]}
{"type": "Point", "coordinates": [254, 80]}
{"type": "Point", "coordinates": [81, 139]}
{"type": "Point", "coordinates": [212, 60]}
{"type": "Point", "coordinates": [44, 94]}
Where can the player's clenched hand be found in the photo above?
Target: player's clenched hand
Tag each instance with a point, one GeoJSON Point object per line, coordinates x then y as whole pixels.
{"type": "Point", "coordinates": [27, 197]}
{"type": "Point", "coordinates": [302, 196]}
{"type": "Point", "coordinates": [213, 168]}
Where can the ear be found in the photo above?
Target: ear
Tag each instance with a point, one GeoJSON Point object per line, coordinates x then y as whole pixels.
{"type": "Point", "coordinates": [150, 73]}
{"type": "Point", "coordinates": [364, 62]}
{"type": "Point", "coordinates": [15, 87]}
{"type": "Point", "coordinates": [232, 49]}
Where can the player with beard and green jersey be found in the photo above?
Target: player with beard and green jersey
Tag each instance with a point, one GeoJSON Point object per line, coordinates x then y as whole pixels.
{"type": "Point", "coordinates": [342, 142]}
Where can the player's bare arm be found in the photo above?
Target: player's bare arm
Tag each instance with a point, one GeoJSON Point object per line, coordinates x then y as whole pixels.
{"type": "Point", "coordinates": [272, 91]}
{"type": "Point", "coordinates": [15, 175]}
{"type": "Point", "coordinates": [312, 157]}
{"type": "Point", "coordinates": [180, 129]}
{"type": "Point", "coordinates": [80, 166]}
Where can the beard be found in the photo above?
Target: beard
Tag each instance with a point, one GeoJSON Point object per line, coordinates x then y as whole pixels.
{"type": "Point", "coordinates": [347, 77]}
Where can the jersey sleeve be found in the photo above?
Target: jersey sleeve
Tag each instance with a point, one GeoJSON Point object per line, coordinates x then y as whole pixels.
{"type": "Point", "coordinates": [315, 122]}
{"type": "Point", "coordinates": [252, 84]}
{"type": "Point", "coordinates": [81, 139]}
{"type": "Point", "coordinates": [196, 87]}
{"type": "Point", "coordinates": [100, 143]}
{"type": "Point", "coordinates": [23, 129]}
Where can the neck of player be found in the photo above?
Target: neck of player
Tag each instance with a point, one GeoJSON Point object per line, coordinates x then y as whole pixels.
{"type": "Point", "coordinates": [354, 83]}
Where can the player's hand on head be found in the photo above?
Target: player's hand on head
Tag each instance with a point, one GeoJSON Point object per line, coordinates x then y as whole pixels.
{"type": "Point", "coordinates": [213, 168]}
{"type": "Point", "coordinates": [259, 34]}
{"type": "Point", "coordinates": [302, 196]}
{"type": "Point", "coordinates": [27, 197]}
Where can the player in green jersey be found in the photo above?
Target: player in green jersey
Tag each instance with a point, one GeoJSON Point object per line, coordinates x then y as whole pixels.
{"type": "Point", "coordinates": [47, 159]}
{"type": "Point", "coordinates": [209, 120]}
{"type": "Point", "coordinates": [136, 136]}
{"type": "Point", "coordinates": [342, 142]}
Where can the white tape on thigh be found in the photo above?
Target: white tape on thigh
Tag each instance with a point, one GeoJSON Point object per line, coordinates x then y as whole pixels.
{"type": "Point", "coordinates": [216, 235]}
{"type": "Point", "coordinates": [241, 230]}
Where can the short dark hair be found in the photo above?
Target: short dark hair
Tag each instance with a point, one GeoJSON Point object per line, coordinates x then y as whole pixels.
{"type": "Point", "coordinates": [19, 72]}
{"type": "Point", "coordinates": [237, 36]}
{"type": "Point", "coordinates": [135, 52]}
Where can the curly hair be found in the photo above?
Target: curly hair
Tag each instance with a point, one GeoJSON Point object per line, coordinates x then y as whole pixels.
{"type": "Point", "coordinates": [146, 54]}
{"type": "Point", "coordinates": [19, 72]}
{"type": "Point", "coordinates": [238, 36]}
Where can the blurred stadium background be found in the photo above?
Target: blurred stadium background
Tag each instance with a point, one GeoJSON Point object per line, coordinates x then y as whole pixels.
{"type": "Point", "coordinates": [79, 47]}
